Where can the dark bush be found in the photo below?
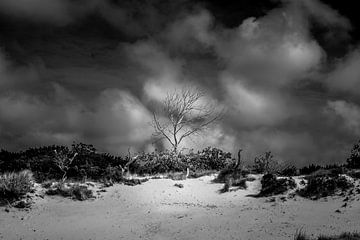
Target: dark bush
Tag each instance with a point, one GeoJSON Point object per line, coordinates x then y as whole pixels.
{"type": "Point", "coordinates": [289, 171]}
{"type": "Point", "coordinates": [344, 236]}
{"type": "Point", "coordinates": [271, 185]}
{"type": "Point", "coordinates": [353, 160]}
{"type": "Point", "coordinates": [309, 169]}
{"type": "Point", "coordinates": [354, 173]}
{"type": "Point", "coordinates": [167, 161]}
{"type": "Point", "coordinates": [227, 172]}
{"type": "Point", "coordinates": [324, 185]}
{"type": "Point", "coordinates": [90, 164]}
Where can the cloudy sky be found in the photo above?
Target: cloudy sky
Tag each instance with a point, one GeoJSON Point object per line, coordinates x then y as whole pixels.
{"type": "Point", "coordinates": [287, 72]}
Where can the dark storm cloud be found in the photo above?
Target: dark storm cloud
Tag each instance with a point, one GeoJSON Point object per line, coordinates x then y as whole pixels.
{"type": "Point", "coordinates": [134, 18]}
{"type": "Point", "coordinates": [67, 84]}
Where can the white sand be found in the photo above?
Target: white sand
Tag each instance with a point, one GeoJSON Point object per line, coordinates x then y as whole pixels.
{"type": "Point", "coordinates": [159, 210]}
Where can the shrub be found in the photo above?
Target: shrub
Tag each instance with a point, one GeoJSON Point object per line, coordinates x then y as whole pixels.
{"type": "Point", "coordinates": [344, 236]}
{"type": "Point", "coordinates": [13, 186]}
{"type": "Point", "coordinates": [114, 174]}
{"type": "Point", "coordinates": [227, 172]}
{"type": "Point", "coordinates": [232, 176]}
{"type": "Point", "coordinates": [309, 169]}
{"type": "Point", "coordinates": [201, 173]}
{"type": "Point", "coordinates": [354, 160]}
{"type": "Point", "coordinates": [43, 162]}
{"type": "Point", "coordinates": [75, 191]}
{"type": "Point", "coordinates": [81, 192]}
{"type": "Point", "coordinates": [266, 164]}
{"type": "Point", "coordinates": [354, 174]}
{"type": "Point", "coordinates": [271, 185]}
{"type": "Point", "coordinates": [324, 185]}
{"type": "Point", "coordinates": [58, 162]}
{"type": "Point", "coordinates": [234, 182]}
{"type": "Point", "coordinates": [167, 161]}
{"type": "Point", "coordinates": [289, 171]}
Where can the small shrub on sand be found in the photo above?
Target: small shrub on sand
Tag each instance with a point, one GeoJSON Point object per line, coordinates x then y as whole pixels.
{"type": "Point", "coordinates": [271, 185]}
{"type": "Point", "coordinates": [134, 181]}
{"type": "Point", "coordinates": [230, 171]}
{"type": "Point", "coordinates": [76, 191]}
{"type": "Point", "coordinates": [324, 185]}
{"type": "Point", "coordinates": [201, 173]}
{"type": "Point", "coordinates": [231, 182]}
{"type": "Point", "coordinates": [15, 185]}
{"type": "Point", "coordinates": [344, 236]}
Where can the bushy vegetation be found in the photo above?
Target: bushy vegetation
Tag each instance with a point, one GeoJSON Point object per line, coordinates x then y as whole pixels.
{"type": "Point", "coordinates": [354, 173]}
{"type": "Point", "coordinates": [344, 236]}
{"type": "Point", "coordinates": [169, 161]}
{"type": "Point", "coordinates": [83, 161]}
{"type": "Point", "coordinates": [74, 191]}
{"type": "Point", "coordinates": [353, 160]}
{"type": "Point", "coordinates": [240, 183]}
{"type": "Point", "coordinates": [13, 185]}
{"type": "Point", "coordinates": [309, 169]}
{"type": "Point", "coordinates": [265, 163]}
{"type": "Point", "coordinates": [289, 171]}
{"type": "Point", "coordinates": [44, 162]}
{"type": "Point", "coordinates": [323, 184]}
{"type": "Point", "coordinates": [271, 185]}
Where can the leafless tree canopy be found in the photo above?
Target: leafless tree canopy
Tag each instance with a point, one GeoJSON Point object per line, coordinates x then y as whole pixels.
{"type": "Point", "coordinates": [63, 162]}
{"type": "Point", "coordinates": [184, 114]}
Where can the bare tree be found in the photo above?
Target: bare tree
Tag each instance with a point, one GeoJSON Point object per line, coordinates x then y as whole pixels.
{"type": "Point", "coordinates": [63, 162]}
{"type": "Point", "coordinates": [185, 113]}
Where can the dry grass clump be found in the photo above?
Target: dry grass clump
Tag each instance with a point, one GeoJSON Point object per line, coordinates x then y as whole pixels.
{"type": "Point", "coordinates": [13, 185]}
{"type": "Point", "coordinates": [75, 191]}
{"type": "Point", "coordinates": [300, 235]}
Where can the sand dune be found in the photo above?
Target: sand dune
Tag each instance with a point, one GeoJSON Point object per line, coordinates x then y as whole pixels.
{"type": "Point", "coordinates": [159, 210]}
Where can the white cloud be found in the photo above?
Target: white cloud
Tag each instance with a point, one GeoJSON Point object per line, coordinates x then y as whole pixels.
{"type": "Point", "coordinates": [346, 76]}
{"type": "Point", "coordinates": [254, 107]}
{"type": "Point", "coordinates": [348, 112]}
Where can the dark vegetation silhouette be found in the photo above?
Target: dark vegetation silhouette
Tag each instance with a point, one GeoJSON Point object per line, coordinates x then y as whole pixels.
{"type": "Point", "coordinates": [301, 235]}
{"type": "Point", "coordinates": [82, 162]}
{"type": "Point", "coordinates": [353, 160]}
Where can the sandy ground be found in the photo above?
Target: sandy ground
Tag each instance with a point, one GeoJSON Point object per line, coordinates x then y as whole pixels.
{"type": "Point", "coordinates": [159, 210]}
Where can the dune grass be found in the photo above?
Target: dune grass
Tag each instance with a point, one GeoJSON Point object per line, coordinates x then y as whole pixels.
{"type": "Point", "coordinates": [14, 185]}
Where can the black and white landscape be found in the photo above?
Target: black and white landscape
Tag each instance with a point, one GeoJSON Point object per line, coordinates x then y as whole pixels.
{"type": "Point", "coordinates": [203, 119]}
